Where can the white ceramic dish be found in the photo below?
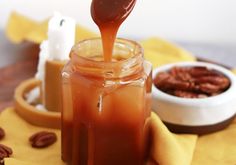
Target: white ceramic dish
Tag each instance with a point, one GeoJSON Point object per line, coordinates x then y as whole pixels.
{"type": "Point", "coordinates": [216, 111]}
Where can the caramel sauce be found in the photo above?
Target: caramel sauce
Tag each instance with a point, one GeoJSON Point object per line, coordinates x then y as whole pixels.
{"type": "Point", "coordinates": [106, 125]}
{"type": "Point", "coordinates": [109, 15]}
{"type": "Point", "coordinates": [114, 132]}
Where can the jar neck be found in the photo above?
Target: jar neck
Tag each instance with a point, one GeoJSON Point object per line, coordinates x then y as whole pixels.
{"type": "Point", "coordinates": [87, 58]}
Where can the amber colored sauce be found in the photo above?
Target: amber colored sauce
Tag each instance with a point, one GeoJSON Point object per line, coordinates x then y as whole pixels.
{"type": "Point", "coordinates": [110, 125]}
{"type": "Point", "coordinates": [109, 15]}
{"type": "Point", "coordinates": [113, 132]}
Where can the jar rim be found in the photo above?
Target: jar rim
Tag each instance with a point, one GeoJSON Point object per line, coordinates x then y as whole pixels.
{"type": "Point", "coordinates": [121, 68]}
{"type": "Point", "coordinates": [135, 44]}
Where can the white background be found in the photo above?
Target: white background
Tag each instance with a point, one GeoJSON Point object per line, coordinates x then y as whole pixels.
{"type": "Point", "coordinates": [205, 21]}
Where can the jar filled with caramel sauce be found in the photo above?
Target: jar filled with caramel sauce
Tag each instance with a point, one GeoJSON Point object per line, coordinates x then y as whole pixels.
{"type": "Point", "coordinates": [106, 105]}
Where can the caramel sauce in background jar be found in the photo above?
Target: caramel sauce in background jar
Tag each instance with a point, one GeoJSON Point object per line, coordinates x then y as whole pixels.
{"type": "Point", "coordinates": [106, 95]}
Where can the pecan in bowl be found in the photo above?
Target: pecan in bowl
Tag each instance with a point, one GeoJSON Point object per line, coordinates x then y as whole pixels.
{"type": "Point", "coordinates": [194, 97]}
{"type": "Point", "coordinates": [192, 82]}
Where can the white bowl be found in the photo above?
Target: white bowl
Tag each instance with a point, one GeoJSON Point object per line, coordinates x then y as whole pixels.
{"type": "Point", "coordinates": [205, 115]}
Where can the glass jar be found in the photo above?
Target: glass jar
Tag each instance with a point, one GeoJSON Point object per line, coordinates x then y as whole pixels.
{"type": "Point", "coordinates": [106, 105]}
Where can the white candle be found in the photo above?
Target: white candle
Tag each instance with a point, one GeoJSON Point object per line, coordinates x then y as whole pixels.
{"type": "Point", "coordinates": [61, 37]}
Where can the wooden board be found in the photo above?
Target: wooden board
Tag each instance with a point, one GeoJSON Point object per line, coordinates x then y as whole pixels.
{"type": "Point", "coordinates": [18, 63]}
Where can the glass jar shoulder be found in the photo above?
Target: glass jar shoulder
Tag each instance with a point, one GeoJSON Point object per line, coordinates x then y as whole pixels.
{"type": "Point", "coordinates": [141, 78]}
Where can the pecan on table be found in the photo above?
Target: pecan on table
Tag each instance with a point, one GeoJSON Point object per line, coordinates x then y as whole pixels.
{"type": "Point", "coordinates": [5, 152]}
{"type": "Point", "coordinates": [42, 139]}
{"type": "Point", "coordinates": [2, 133]}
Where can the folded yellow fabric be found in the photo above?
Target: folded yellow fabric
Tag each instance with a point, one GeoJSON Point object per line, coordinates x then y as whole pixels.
{"type": "Point", "coordinates": [234, 70]}
{"type": "Point", "coordinates": [20, 28]}
{"type": "Point", "coordinates": [167, 149]}
{"type": "Point", "coordinates": [216, 149]}
{"type": "Point", "coordinates": [161, 52]}
{"type": "Point", "coordinates": [18, 132]}
{"type": "Point", "coordinates": [12, 161]}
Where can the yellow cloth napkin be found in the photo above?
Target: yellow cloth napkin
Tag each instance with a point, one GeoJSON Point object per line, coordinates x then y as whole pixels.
{"type": "Point", "coordinates": [20, 28]}
{"type": "Point", "coordinates": [217, 148]}
{"type": "Point", "coordinates": [18, 132]}
{"type": "Point", "coordinates": [161, 52]}
{"type": "Point", "coordinates": [234, 70]}
{"type": "Point", "coordinates": [167, 149]}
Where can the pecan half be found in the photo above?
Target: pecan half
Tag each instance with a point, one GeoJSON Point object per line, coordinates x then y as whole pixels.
{"type": "Point", "coordinates": [2, 133]}
{"type": "Point", "coordinates": [202, 71]}
{"type": "Point", "coordinates": [42, 139]}
{"type": "Point", "coordinates": [187, 94]}
{"type": "Point", "coordinates": [5, 152]}
{"type": "Point", "coordinates": [220, 81]}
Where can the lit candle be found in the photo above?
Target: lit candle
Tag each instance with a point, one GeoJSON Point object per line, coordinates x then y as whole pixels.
{"type": "Point", "coordinates": [61, 37]}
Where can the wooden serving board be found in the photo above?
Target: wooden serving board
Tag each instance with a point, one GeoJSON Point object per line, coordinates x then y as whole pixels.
{"type": "Point", "coordinates": [17, 63]}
